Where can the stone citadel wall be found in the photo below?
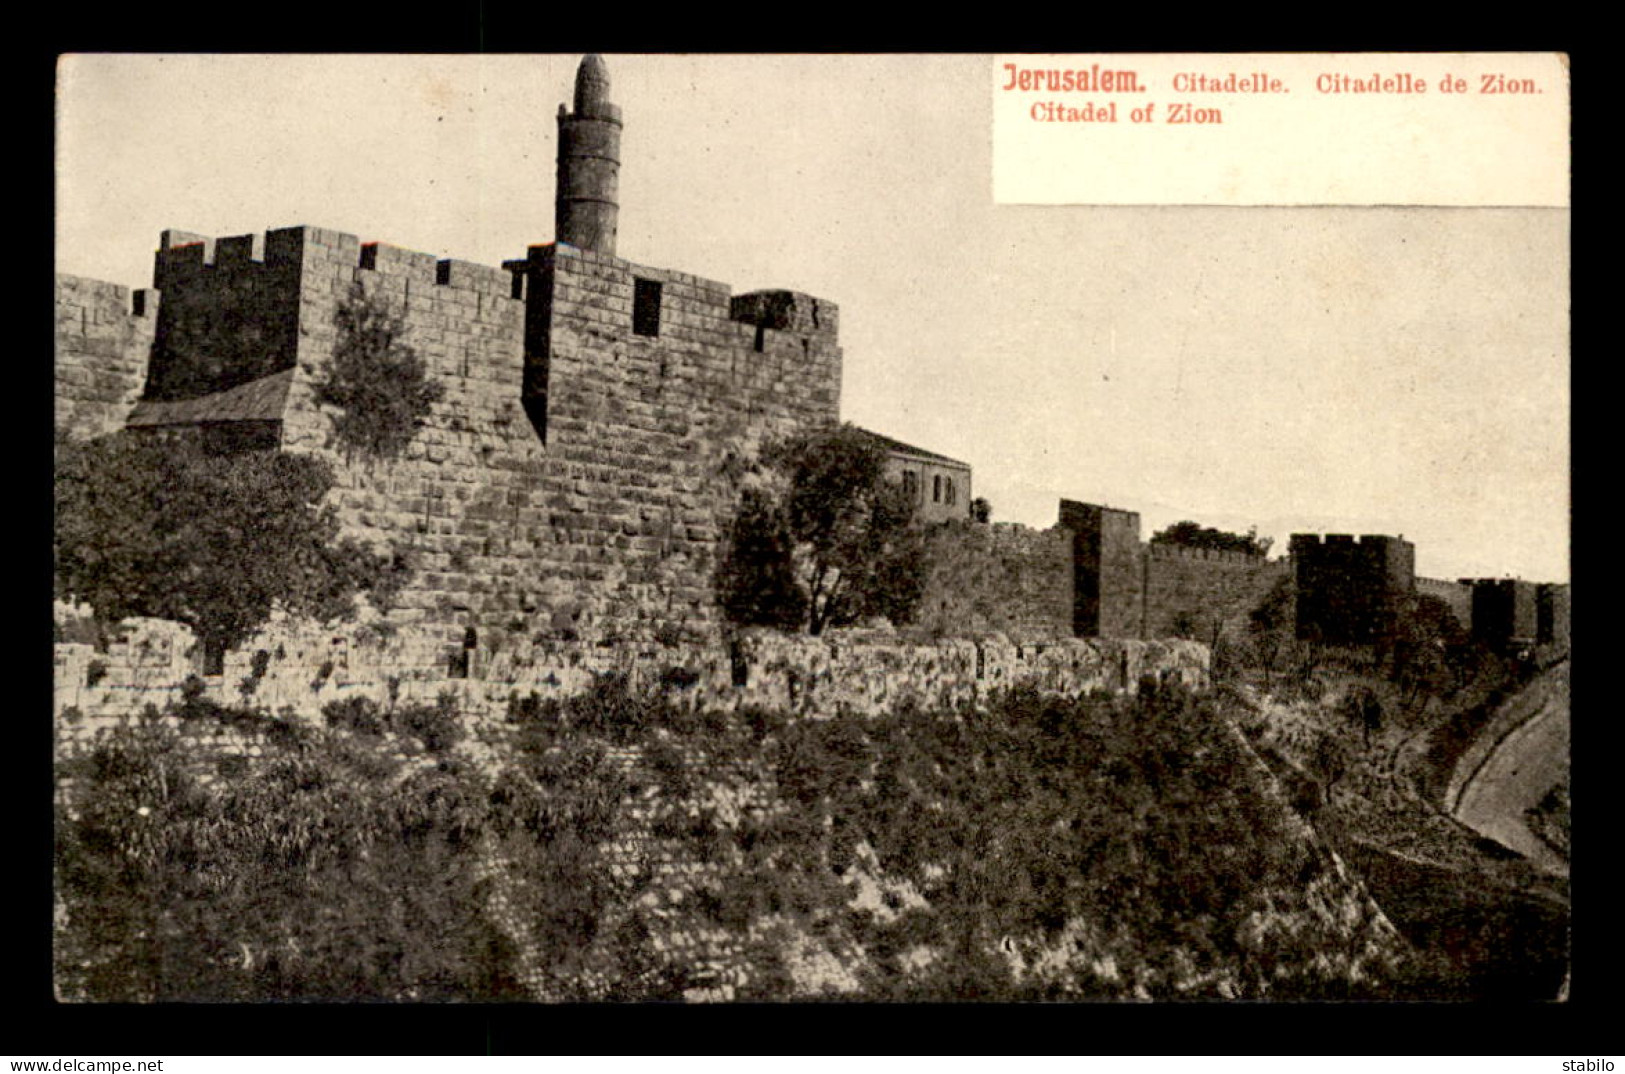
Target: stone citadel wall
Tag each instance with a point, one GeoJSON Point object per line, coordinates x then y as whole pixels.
{"type": "Point", "coordinates": [998, 579]}
{"type": "Point", "coordinates": [1127, 588]}
{"type": "Point", "coordinates": [1199, 592]}
{"type": "Point", "coordinates": [104, 335]}
{"type": "Point", "coordinates": [579, 468]}
{"type": "Point", "coordinates": [1458, 596]}
{"type": "Point", "coordinates": [596, 421]}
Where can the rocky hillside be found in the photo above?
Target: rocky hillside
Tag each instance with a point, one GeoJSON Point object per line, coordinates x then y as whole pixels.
{"type": "Point", "coordinates": [1368, 767]}
{"type": "Point", "coordinates": [616, 848]}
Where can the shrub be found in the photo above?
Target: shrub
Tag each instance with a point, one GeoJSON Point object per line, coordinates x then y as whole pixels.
{"type": "Point", "coordinates": [146, 527]}
{"type": "Point", "coordinates": [377, 381]}
{"type": "Point", "coordinates": [1193, 535]}
{"type": "Point", "coordinates": [309, 875]}
{"type": "Point", "coordinates": [438, 725]}
{"type": "Point", "coordinates": [358, 715]}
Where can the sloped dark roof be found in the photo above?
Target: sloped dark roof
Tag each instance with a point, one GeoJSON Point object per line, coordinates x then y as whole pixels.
{"type": "Point", "coordinates": [900, 448]}
{"type": "Point", "coordinates": [258, 400]}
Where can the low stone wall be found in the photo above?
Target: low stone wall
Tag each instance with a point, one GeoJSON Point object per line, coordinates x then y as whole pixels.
{"type": "Point", "coordinates": [298, 671]}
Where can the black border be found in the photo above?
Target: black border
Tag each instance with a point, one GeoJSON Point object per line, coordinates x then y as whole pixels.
{"type": "Point", "coordinates": [38, 1025]}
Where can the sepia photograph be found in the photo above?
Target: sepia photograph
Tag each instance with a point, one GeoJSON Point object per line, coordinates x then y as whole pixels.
{"type": "Point", "coordinates": [788, 528]}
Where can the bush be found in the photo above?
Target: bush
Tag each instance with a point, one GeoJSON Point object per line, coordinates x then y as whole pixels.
{"type": "Point", "coordinates": [377, 381]}
{"type": "Point", "coordinates": [146, 527]}
{"type": "Point", "coordinates": [437, 725]}
{"type": "Point", "coordinates": [357, 715]}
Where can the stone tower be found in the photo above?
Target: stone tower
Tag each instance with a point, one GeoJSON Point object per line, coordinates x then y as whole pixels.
{"type": "Point", "coordinates": [585, 206]}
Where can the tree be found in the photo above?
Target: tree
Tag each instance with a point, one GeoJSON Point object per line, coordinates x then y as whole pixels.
{"type": "Point", "coordinates": [981, 510]}
{"type": "Point", "coordinates": [377, 381]}
{"type": "Point", "coordinates": [158, 528]}
{"type": "Point", "coordinates": [834, 542]}
{"type": "Point", "coordinates": [757, 586]}
{"type": "Point", "coordinates": [1271, 624]}
{"type": "Point", "coordinates": [1429, 649]}
{"type": "Point", "coordinates": [1193, 535]}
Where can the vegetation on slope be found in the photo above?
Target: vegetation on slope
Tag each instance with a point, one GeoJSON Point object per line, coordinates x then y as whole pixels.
{"type": "Point", "coordinates": [610, 848]}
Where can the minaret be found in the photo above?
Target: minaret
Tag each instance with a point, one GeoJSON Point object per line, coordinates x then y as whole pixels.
{"type": "Point", "coordinates": [585, 206]}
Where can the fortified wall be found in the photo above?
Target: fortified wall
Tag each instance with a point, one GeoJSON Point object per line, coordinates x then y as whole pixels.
{"type": "Point", "coordinates": [1126, 588]}
{"type": "Point", "coordinates": [1001, 578]}
{"type": "Point", "coordinates": [596, 415]}
{"type": "Point", "coordinates": [1457, 596]}
{"type": "Point", "coordinates": [1507, 613]}
{"type": "Point", "coordinates": [1350, 592]}
{"type": "Point", "coordinates": [104, 335]}
{"type": "Point", "coordinates": [572, 483]}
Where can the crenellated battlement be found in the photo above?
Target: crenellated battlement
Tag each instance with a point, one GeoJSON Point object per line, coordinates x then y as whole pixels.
{"type": "Point", "coordinates": [1351, 590]}
{"type": "Point", "coordinates": [1347, 540]}
{"type": "Point", "coordinates": [1202, 555]}
{"type": "Point", "coordinates": [104, 334]}
{"type": "Point", "coordinates": [786, 311]}
{"type": "Point", "coordinates": [185, 253]}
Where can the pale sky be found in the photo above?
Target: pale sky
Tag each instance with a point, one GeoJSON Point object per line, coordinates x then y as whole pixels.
{"type": "Point", "coordinates": [1401, 371]}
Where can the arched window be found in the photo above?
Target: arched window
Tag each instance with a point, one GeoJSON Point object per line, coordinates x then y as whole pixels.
{"type": "Point", "coordinates": [936, 489]}
{"type": "Point", "coordinates": [911, 485]}
{"type": "Point", "coordinates": [949, 494]}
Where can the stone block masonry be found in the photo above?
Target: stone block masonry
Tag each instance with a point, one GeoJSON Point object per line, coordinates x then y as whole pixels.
{"type": "Point", "coordinates": [301, 669]}
{"type": "Point", "coordinates": [1351, 592]}
{"type": "Point", "coordinates": [1202, 593]}
{"type": "Point", "coordinates": [1126, 588]}
{"type": "Point", "coordinates": [998, 579]}
{"type": "Point", "coordinates": [1507, 612]}
{"type": "Point", "coordinates": [1457, 596]}
{"type": "Point", "coordinates": [596, 415]}
{"type": "Point", "coordinates": [104, 334]}
{"type": "Point", "coordinates": [1552, 616]}
{"type": "Point", "coordinates": [230, 312]}
{"type": "Point", "coordinates": [1108, 575]}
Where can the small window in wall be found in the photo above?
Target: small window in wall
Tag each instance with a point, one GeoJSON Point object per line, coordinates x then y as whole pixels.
{"type": "Point", "coordinates": [646, 307]}
{"type": "Point", "coordinates": [214, 658]}
{"type": "Point", "coordinates": [911, 485]}
{"type": "Point", "coordinates": [948, 491]}
{"type": "Point", "coordinates": [936, 489]}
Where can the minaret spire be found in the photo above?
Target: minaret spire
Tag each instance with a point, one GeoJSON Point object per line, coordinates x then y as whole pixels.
{"type": "Point", "coordinates": [585, 207]}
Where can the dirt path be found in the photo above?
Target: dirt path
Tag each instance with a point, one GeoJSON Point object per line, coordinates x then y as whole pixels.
{"type": "Point", "coordinates": [1519, 768]}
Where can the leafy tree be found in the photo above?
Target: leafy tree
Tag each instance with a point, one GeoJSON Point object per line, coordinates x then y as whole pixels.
{"type": "Point", "coordinates": [835, 543]}
{"type": "Point", "coordinates": [1271, 625]}
{"type": "Point", "coordinates": [379, 383]}
{"type": "Point", "coordinates": [981, 510]}
{"type": "Point", "coordinates": [1431, 652]}
{"type": "Point", "coordinates": [1194, 535]}
{"type": "Point", "coordinates": [159, 528]}
{"type": "Point", "coordinates": [757, 585]}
